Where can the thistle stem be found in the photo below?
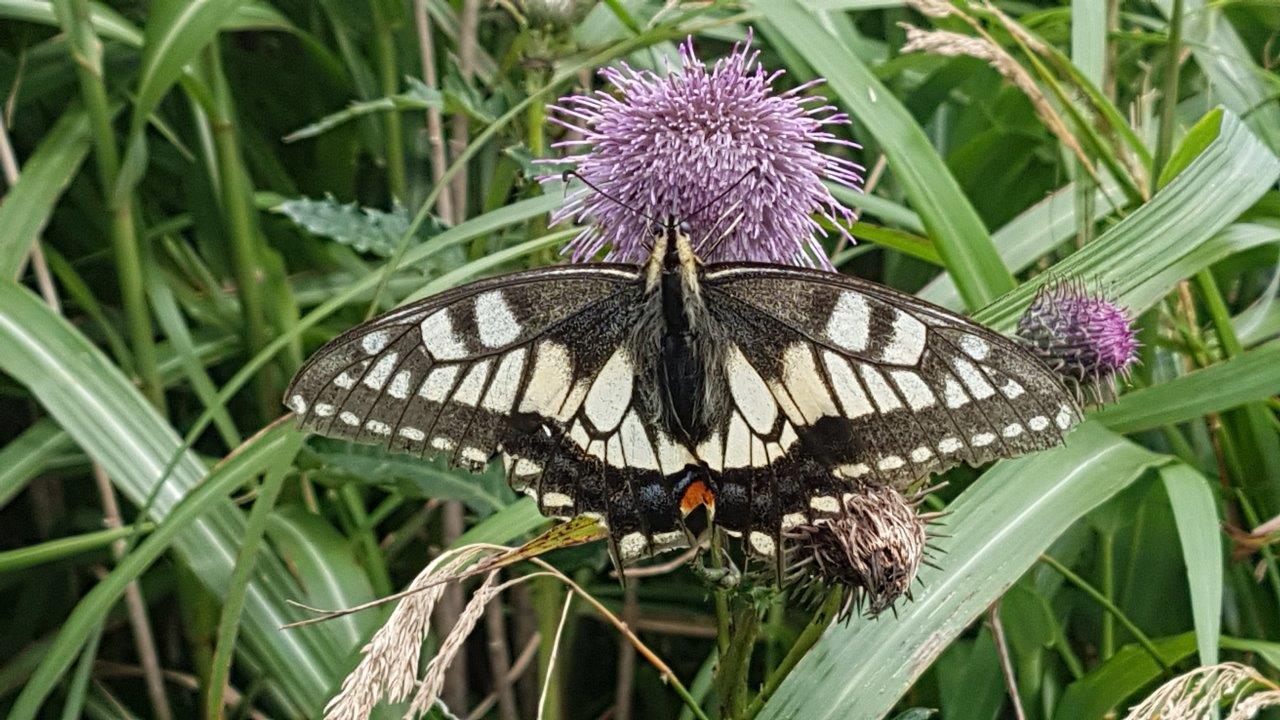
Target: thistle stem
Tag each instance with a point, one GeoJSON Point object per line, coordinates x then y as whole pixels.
{"type": "Point", "coordinates": [818, 624]}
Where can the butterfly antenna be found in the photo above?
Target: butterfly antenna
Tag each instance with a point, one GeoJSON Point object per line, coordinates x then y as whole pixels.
{"type": "Point", "coordinates": [574, 173]}
{"type": "Point", "coordinates": [724, 235]}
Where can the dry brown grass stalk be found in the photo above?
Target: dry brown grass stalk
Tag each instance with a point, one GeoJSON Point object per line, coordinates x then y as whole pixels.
{"type": "Point", "coordinates": [1198, 695]}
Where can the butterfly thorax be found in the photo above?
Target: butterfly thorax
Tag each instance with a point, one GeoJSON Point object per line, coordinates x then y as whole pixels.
{"type": "Point", "coordinates": [686, 379]}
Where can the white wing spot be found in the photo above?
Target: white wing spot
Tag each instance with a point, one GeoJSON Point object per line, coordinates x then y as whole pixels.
{"type": "Point", "coordinates": [374, 342]}
{"type": "Point", "coordinates": [525, 466]}
{"type": "Point", "coordinates": [474, 454]}
{"type": "Point", "coordinates": [913, 388]}
{"type": "Point", "coordinates": [635, 443]}
{"type": "Point", "coordinates": [975, 347]}
{"type": "Point", "coordinates": [324, 409]}
{"type": "Point", "coordinates": [886, 399]}
{"type": "Point", "coordinates": [506, 381]}
{"type": "Point", "coordinates": [972, 378]}
{"type": "Point", "coordinates": [750, 392]}
{"type": "Point", "coordinates": [399, 388]}
{"type": "Point", "coordinates": [610, 393]}
{"type": "Point", "coordinates": [632, 545]}
{"type": "Point", "coordinates": [950, 445]}
{"type": "Point", "coordinates": [787, 437]}
{"type": "Point", "coordinates": [439, 383]}
{"type": "Point", "coordinates": [579, 435]}
{"type": "Point", "coordinates": [349, 418]}
{"type": "Point", "coordinates": [381, 371]}
{"type": "Point", "coordinates": [890, 462]}
{"type": "Point", "coordinates": [791, 520]}
{"type": "Point", "coordinates": [761, 543]}
{"type": "Point", "coordinates": [853, 471]}
{"type": "Point", "coordinates": [345, 381]}
{"type": "Point", "coordinates": [982, 439]}
{"type": "Point", "coordinates": [806, 386]}
{"type": "Point", "coordinates": [557, 499]}
{"type": "Point", "coordinates": [1012, 389]}
{"type": "Point", "coordinates": [299, 404]}
{"type": "Point", "coordinates": [672, 457]}
{"type": "Point", "coordinates": [377, 427]}
{"type": "Point", "coordinates": [737, 444]}
{"type": "Point", "coordinates": [848, 390]}
{"type": "Point", "coordinates": [494, 321]}
{"type": "Point", "coordinates": [825, 503]}
{"type": "Point", "coordinates": [412, 433]}
{"type": "Point", "coordinates": [549, 380]}
{"type": "Point", "coordinates": [439, 338]}
{"type": "Point", "coordinates": [907, 343]}
{"type": "Point", "coordinates": [850, 322]}
{"type": "Point", "coordinates": [1064, 417]}
{"type": "Point", "coordinates": [1038, 423]}
{"type": "Point", "coordinates": [468, 392]}
{"type": "Point", "coordinates": [954, 394]}
{"type": "Point", "coordinates": [921, 454]}
{"type": "Point", "coordinates": [443, 443]}
{"type": "Point", "coordinates": [711, 452]}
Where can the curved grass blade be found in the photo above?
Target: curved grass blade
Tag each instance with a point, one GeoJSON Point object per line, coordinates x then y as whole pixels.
{"type": "Point", "coordinates": [999, 526]}
{"type": "Point", "coordinates": [1196, 514]}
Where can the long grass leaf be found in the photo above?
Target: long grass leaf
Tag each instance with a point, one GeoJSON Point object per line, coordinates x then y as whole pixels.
{"type": "Point", "coordinates": [93, 608]}
{"type": "Point", "coordinates": [953, 225]}
{"type": "Point", "coordinates": [998, 528]}
{"type": "Point", "coordinates": [1196, 515]}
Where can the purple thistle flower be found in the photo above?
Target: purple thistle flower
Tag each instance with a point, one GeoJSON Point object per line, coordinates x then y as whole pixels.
{"type": "Point", "coordinates": [1085, 337]}
{"type": "Point", "coordinates": [671, 145]}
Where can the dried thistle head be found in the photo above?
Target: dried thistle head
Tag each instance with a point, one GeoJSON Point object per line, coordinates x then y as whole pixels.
{"type": "Point", "coordinates": [871, 552]}
{"type": "Point", "coordinates": [1086, 337]}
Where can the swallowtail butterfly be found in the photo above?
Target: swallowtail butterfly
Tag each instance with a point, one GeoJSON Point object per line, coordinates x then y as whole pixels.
{"type": "Point", "coordinates": [640, 393]}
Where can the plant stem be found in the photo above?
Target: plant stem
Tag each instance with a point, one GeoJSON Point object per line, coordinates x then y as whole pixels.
{"type": "Point", "coordinates": [468, 24]}
{"type": "Point", "coordinates": [435, 124]}
{"type": "Point", "coordinates": [731, 679]}
{"type": "Point", "coordinates": [1107, 548]}
{"type": "Point", "coordinates": [240, 217]}
{"type": "Point", "coordinates": [1169, 100]}
{"type": "Point", "coordinates": [818, 625]}
{"type": "Point", "coordinates": [384, 43]}
{"type": "Point", "coordinates": [1110, 607]}
{"type": "Point", "coordinates": [86, 54]}
{"type": "Point", "coordinates": [1006, 662]}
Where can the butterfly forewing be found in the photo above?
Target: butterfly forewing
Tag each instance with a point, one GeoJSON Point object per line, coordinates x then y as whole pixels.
{"type": "Point", "coordinates": [459, 373]}
{"type": "Point", "coordinates": [877, 385]}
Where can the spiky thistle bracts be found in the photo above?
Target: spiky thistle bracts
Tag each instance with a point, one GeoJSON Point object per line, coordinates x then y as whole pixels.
{"type": "Point", "coordinates": [1083, 335]}
{"type": "Point", "coordinates": [870, 553]}
{"type": "Point", "coordinates": [672, 144]}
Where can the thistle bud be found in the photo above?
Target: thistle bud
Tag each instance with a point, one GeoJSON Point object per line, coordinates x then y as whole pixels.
{"type": "Point", "coordinates": [1087, 338]}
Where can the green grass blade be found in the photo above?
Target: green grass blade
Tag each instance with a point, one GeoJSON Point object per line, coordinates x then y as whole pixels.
{"type": "Point", "coordinates": [28, 204]}
{"type": "Point", "coordinates": [27, 455]}
{"type": "Point", "coordinates": [109, 24]}
{"type": "Point", "coordinates": [1251, 376]}
{"type": "Point", "coordinates": [999, 527]}
{"type": "Point", "coordinates": [1196, 515]}
{"type": "Point", "coordinates": [62, 548]}
{"type": "Point", "coordinates": [110, 419]}
{"type": "Point", "coordinates": [953, 225]}
{"type": "Point", "coordinates": [93, 608]}
{"type": "Point", "coordinates": [238, 586]}
{"type": "Point", "coordinates": [1234, 170]}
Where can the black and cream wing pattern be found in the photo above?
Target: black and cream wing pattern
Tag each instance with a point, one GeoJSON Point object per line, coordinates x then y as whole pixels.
{"type": "Point", "coordinates": [877, 385]}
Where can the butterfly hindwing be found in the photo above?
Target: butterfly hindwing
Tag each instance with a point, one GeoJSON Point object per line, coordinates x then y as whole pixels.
{"type": "Point", "coordinates": [878, 386]}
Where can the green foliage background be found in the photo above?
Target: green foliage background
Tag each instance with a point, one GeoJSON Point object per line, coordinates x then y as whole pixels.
{"type": "Point", "coordinates": [199, 193]}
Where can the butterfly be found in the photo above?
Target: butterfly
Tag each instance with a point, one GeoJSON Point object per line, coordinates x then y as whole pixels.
{"type": "Point", "coordinates": [757, 396]}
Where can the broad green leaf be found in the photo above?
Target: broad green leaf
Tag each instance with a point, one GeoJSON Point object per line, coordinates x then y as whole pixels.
{"type": "Point", "coordinates": [110, 419]}
{"type": "Point", "coordinates": [93, 608]}
{"type": "Point", "coordinates": [953, 225]}
{"type": "Point", "coordinates": [1128, 671]}
{"type": "Point", "coordinates": [998, 528]}
{"type": "Point", "coordinates": [28, 204]}
{"type": "Point", "coordinates": [1196, 515]}
{"type": "Point", "coordinates": [1251, 376]}
{"type": "Point", "coordinates": [1156, 239]}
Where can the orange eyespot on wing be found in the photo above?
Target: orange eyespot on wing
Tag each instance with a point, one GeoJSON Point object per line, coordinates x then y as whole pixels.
{"type": "Point", "coordinates": [697, 494]}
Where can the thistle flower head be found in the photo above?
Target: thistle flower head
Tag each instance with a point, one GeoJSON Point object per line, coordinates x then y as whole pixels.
{"type": "Point", "coordinates": [870, 553]}
{"type": "Point", "coordinates": [676, 144]}
{"type": "Point", "coordinates": [1084, 336]}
